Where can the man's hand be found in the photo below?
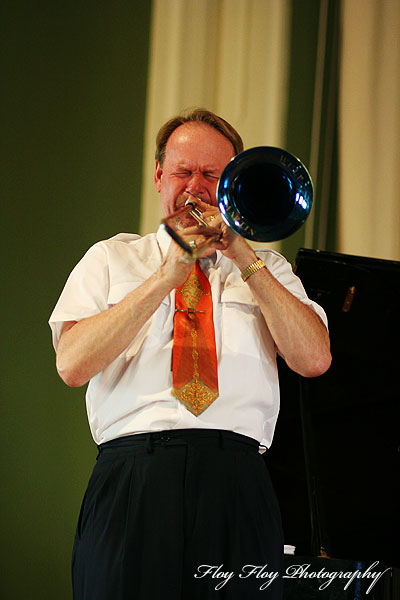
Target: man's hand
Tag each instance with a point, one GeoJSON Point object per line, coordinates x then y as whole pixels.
{"type": "Point", "coordinates": [217, 235]}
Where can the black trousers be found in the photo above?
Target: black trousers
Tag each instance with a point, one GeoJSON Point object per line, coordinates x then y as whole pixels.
{"type": "Point", "coordinates": [181, 515]}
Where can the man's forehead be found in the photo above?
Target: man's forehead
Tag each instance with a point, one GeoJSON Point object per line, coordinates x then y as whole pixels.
{"type": "Point", "coordinates": [189, 133]}
{"type": "Point", "coordinates": [190, 128]}
{"type": "Point", "coordinates": [189, 139]}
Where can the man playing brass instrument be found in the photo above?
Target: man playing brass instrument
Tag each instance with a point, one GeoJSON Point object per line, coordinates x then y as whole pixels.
{"type": "Point", "coordinates": [183, 391]}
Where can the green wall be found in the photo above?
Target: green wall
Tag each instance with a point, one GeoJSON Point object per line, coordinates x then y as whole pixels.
{"type": "Point", "coordinates": [73, 86]}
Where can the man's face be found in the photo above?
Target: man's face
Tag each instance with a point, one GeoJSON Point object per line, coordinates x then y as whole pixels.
{"type": "Point", "coordinates": [195, 157]}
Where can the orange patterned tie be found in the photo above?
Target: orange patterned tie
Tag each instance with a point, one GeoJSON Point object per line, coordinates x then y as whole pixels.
{"type": "Point", "coordinates": [194, 358]}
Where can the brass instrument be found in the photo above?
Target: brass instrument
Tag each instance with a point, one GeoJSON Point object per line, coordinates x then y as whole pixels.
{"type": "Point", "coordinates": [264, 194]}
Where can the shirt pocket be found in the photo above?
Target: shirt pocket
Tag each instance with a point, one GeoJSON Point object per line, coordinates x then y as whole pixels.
{"type": "Point", "coordinates": [153, 330]}
{"type": "Point", "coordinates": [243, 326]}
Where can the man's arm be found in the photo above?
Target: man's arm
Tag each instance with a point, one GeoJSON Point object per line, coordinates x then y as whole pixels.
{"type": "Point", "coordinates": [296, 329]}
{"type": "Point", "coordinates": [88, 346]}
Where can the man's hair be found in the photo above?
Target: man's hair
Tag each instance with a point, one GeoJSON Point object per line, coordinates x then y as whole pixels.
{"type": "Point", "coordinates": [197, 115]}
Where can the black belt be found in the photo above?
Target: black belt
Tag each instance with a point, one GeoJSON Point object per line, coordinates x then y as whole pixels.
{"type": "Point", "coordinates": [220, 437]}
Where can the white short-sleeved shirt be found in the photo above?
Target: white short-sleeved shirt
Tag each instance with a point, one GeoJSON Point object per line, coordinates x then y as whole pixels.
{"type": "Point", "coordinates": [133, 394]}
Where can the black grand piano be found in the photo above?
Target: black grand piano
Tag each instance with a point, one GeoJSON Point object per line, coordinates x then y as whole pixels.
{"type": "Point", "coordinates": [335, 457]}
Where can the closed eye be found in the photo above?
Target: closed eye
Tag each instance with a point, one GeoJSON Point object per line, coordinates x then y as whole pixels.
{"type": "Point", "coordinates": [209, 175]}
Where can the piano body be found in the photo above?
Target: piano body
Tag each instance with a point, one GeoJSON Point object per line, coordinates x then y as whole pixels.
{"type": "Point", "coordinates": [335, 456]}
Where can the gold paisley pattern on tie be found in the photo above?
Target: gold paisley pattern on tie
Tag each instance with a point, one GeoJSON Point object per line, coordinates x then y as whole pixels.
{"type": "Point", "coordinates": [192, 290]}
{"type": "Point", "coordinates": [195, 395]}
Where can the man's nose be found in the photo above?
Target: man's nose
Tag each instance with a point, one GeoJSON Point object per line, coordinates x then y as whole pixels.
{"type": "Point", "coordinates": [195, 185]}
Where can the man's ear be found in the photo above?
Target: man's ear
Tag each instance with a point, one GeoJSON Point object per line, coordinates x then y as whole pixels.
{"type": "Point", "coordinates": [158, 173]}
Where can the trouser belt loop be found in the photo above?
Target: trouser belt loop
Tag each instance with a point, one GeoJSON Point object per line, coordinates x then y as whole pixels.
{"type": "Point", "coordinates": [149, 443]}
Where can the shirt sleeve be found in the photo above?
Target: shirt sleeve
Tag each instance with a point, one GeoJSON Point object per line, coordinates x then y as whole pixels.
{"type": "Point", "coordinates": [282, 270]}
{"type": "Point", "coordinates": [85, 292]}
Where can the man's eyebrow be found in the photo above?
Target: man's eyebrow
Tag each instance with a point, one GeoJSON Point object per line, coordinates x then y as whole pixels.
{"type": "Point", "coordinates": [204, 169]}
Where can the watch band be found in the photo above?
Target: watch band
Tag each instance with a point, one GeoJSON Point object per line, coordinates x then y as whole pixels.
{"type": "Point", "coordinates": [255, 266]}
